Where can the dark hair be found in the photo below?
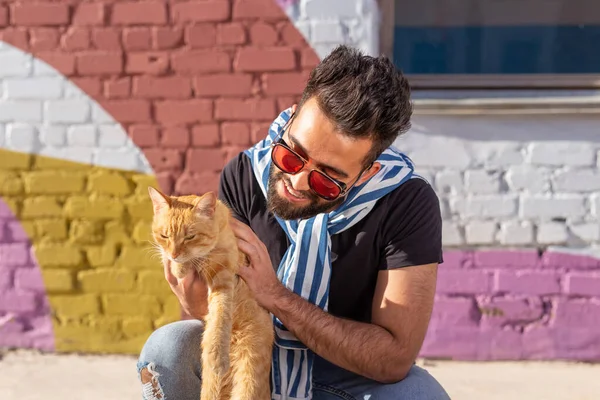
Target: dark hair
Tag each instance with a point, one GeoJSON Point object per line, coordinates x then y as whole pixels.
{"type": "Point", "coordinates": [364, 96]}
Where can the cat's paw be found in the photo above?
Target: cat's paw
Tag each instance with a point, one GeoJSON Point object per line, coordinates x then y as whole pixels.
{"type": "Point", "coordinates": [179, 270]}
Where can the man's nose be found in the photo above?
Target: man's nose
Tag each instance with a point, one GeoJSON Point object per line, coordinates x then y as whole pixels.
{"type": "Point", "coordinates": [300, 181]}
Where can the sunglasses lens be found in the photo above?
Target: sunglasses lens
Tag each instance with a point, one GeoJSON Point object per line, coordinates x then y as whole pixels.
{"type": "Point", "coordinates": [286, 160]}
{"type": "Point", "coordinates": [323, 186]}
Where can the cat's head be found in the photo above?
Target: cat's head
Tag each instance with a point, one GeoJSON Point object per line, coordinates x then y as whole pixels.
{"type": "Point", "coordinates": [184, 227]}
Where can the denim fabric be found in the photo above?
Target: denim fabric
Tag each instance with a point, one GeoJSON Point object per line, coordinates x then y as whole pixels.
{"type": "Point", "coordinates": [172, 353]}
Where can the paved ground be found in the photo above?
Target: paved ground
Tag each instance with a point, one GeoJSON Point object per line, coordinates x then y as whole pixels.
{"type": "Point", "coordinates": [27, 375]}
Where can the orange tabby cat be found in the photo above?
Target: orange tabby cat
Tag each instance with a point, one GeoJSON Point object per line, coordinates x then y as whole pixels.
{"type": "Point", "coordinates": [194, 232]}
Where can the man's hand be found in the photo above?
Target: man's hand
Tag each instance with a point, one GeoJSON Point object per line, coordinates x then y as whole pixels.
{"type": "Point", "coordinates": [258, 274]}
{"type": "Point", "coordinates": [191, 290]}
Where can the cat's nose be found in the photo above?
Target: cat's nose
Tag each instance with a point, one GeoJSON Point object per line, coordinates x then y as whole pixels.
{"type": "Point", "coordinates": [175, 254]}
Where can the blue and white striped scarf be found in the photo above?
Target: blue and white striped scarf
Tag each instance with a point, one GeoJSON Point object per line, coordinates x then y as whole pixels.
{"type": "Point", "coordinates": [306, 265]}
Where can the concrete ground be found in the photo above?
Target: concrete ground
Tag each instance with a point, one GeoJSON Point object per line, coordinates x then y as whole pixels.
{"type": "Point", "coordinates": [26, 375]}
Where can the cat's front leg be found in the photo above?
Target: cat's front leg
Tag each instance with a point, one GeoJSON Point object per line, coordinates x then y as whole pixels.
{"type": "Point", "coordinates": [216, 339]}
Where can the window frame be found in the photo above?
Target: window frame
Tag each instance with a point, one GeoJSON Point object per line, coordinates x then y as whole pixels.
{"type": "Point", "coordinates": [477, 81]}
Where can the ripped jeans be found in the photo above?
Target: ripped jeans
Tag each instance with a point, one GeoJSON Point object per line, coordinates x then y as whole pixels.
{"type": "Point", "coordinates": [169, 369]}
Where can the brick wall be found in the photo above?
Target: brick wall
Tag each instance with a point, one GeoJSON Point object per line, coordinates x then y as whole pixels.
{"type": "Point", "coordinates": [100, 100]}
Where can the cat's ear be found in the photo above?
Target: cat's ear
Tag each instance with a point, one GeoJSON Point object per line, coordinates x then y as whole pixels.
{"type": "Point", "coordinates": [207, 204]}
{"type": "Point", "coordinates": [159, 200]}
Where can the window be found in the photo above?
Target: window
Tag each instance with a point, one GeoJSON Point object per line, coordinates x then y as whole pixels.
{"type": "Point", "coordinates": [494, 43]}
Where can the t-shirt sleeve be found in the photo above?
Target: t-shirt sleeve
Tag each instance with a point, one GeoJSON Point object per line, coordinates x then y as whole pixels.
{"type": "Point", "coordinates": [413, 233]}
{"type": "Point", "coordinates": [231, 190]}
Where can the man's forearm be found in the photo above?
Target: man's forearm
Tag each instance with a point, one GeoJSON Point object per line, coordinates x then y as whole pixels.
{"type": "Point", "coordinates": [366, 349]}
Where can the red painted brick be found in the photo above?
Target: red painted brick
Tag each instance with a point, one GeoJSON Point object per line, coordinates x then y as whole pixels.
{"type": "Point", "coordinates": [223, 85]}
{"type": "Point", "coordinates": [137, 39]}
{"type": "Point", "coordinates": [263, 34]}
{"type": "Point", "coordinates": [76, 39]}
{"type": "Point", "coordinates": [128, 110]}
{"type": "Point", "coordinates": [259, 131]}
{"type": "Point", "coordinates": [245, 110]}
{"type": "Point", "coordinates": [173, 87]}
{"type": "Point", "coordinates": [91, 86]}
{"type": "Point", "coordinates": [39, 13]}
{"type": "Point", "coordinates": [139, 13]}
{"type": "Point", "coordinates": [89, 14]}
{"type": "Point", "coordinates": [527, 282]}
{"type": "Point", "coordinates": [164, 159]}
{"type": "Point", "coordinates": [201, 11]}
{"type": "Point", "coordinates": [197, 183]}
{"type": "Point", "coordinates": [99, 63]}
{"type": "Point", "coordinates": [175, 137]}
{"type": "Point", "coordinates": [165, 182]}
{"type": "Point", "coordinates": [291, 36]}
{"type": "Point", "coordinates": [117, 88]}
{"type": "Point", "coordinates": [308, 58]}
{"type": "Point", "coordinates": [285, 102]}
{"type": "Point", "coordinates": [166, 37]}
{"type": "Point", "coordinates": [41, 39]}
{"type": "Point", "coordinates": [64, 63]}
{"type": "Point", "coordinates": [262, 9]}
{"type": "Point", "coordinates": [231, 34]}
{"type": "Point", "coordinates": [275, 84]}
{"type": "Point", "coordinates": [205, 135]}
{"type": "Point", "coordinates": [254, 59]}
{"type": "Point", "coordinates": [106, 39]}
{"type": "Point", "coordinates": [203, 160]}
{"type": "Point", "coordinates": [154, 63]}
{"type": "Point", "coordinates": [144, 135]}
{"type": "Point", "coordinates": [200, 61]}
{"type": "Point", "coordinates": [173, 112]}
{"type": "Point", "coordinates": [233, 151]}
{"type": "Point", "coordinates": [201, 35]}
{"type": "Point", "coordinates": [3, 16]}
{"type": "Point", "coordinates": [17, 37]}
{"type": "Point", "coordinates": [235, 133]}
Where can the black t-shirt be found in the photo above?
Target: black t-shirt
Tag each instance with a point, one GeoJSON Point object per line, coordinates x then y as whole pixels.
{"type": "Point", "coordinates": [403, 229]}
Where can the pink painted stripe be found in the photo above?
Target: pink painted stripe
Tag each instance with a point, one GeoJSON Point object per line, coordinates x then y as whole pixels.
{"type": "Point", "coordinates": [25, 320]}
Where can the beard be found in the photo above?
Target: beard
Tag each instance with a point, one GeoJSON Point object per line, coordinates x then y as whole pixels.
{"type": "Point", "coordinates": [288, 211]}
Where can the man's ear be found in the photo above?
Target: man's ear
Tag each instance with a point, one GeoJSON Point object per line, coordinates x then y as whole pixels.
{"type": "Point", "coordinates": [375, 167]}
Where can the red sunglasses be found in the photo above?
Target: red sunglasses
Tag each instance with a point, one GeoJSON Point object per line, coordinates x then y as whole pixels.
{"type": "Point", "coordinates": [292, 163]}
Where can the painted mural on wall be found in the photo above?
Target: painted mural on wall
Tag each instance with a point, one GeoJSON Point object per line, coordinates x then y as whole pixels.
{"type": "Point", "coordinates": [101, 99]}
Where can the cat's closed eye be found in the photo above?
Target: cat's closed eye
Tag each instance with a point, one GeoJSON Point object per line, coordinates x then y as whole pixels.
{"type": "Point", "coordinates": [164, 236]}
{"type": "Point", "coordinates": [189, 237]}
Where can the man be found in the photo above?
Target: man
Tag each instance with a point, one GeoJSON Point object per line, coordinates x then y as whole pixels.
{"type": "Point", "coordinates": [343, 239]}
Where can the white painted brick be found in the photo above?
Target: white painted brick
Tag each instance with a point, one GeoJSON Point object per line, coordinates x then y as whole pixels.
{"type": "Point", "coordinates": [557, 206]}
{"type": "Point", "coordinates": [15, 63]}
{"type": "Point", "coordinates": [327, 31]}
{"type": "Point", "coordinates": [485, 206]}
{"type": "Point", "coordinates": [589, 232]}
{"type": "Point", "coordinates": [516, 233]}
{"type": "Point", "coordinates": [41, 68]}
{"type": "Point", "coordinates": [304, 27]}
{"type": "Point", "coordinates": [480, 232]}
{"type": "Point", "coordinates": [451, 234]}
{"type": "Point", "coordinates": [482, 181]}
{"type": "Point", "coordinates": [33, 88]}
{"type": "Point", "coordinates": [100, 115]}
{"type": "Point", "coordinates": [21, 137]}
{"type": "Point", "coordinates": [495, 154]}
{"type": "Point", "coordinates": [317, 9]}
{"type": "Point", "coordinates": [595, 203]}
{"type": "Point", "coordinates": [2, 133]}
{"type": "Point", "coordinates": [528, 179]}
{"type": "Point", "coordinates": [441, 153]}
{"type": "Point", "coordinates": [449, 181]}
{"type": "Point", "coordinates": [73, 91]}
{"type": "Point", "coordinates": [323, 49]}
{"type": "Point", "coordinates": [83, 155]}
{"type": "Point", "coordinates": [552, 233]}
{"type": "Point", "coordinates": [67, 111]}
{"type": "Point", "coordinates": [112, 136]}
{"type": "Point", "coordinates": [577, 180]}
{"type": "Point", "coordinates": [128, 159]}
{"type": "Point", "coordinates": [20, 111]}
{"type": "Point", "coordinates": [444, 209]}
{"type": "Point", "coordinates": [426, 174]}
{"type": "Point", "coordinates": [53, 135]}
{"type": "Point", "coordinates": [557, 153]}
{"type": "Point", "coordinates": [82, 135]}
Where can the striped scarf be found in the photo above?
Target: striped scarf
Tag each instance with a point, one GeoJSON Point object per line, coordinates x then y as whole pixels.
{"type": "Point", "coordinates": [306, 265]}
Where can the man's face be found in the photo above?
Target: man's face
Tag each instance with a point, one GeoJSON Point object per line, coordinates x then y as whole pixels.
{"type": "Point", "coordinates": [315, 138]}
